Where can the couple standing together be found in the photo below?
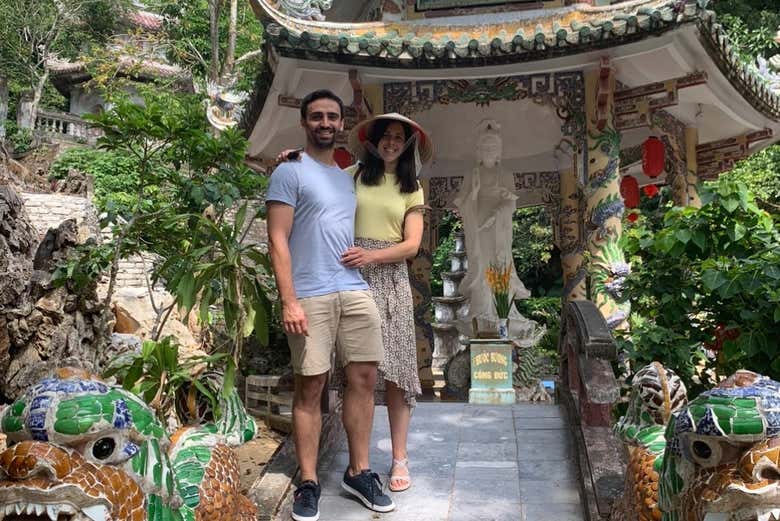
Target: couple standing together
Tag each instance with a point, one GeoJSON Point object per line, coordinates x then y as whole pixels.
{"type": "Point", "coordinates": [338, 241]}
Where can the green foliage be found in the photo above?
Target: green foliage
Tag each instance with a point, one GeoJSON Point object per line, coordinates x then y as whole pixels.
{"type": "Point", "coordinates": [532, 246]}
{"type": "Point", "coordinates": [751, 25]}
{"type": "Point", "coordinates": [761, 173]}
{"type": "Point", "coordinates": [33, 32]}
{"type": "Point", "coordinates": [707, 271]}
{"type": "Point", "coordinates": [160, 376]}
{"type": "Point", "coordinates": [19, 139]}
{"type": "Point", "coordinates": [448, 226]}
{"type": "Point", "coordinates": [189, 33]}
{"type": "Point", "coordinates": [545, 311]}
{"type": "Point", "coordinates": [115, 174]}
{"type": "Point", "coordinates": [186, 179]}
{"type": "Point", "coordinates": [81, 270]}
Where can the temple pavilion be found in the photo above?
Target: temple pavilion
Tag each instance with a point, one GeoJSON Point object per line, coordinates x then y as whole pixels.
{"type": "Point", "coordinates": [578, 89]}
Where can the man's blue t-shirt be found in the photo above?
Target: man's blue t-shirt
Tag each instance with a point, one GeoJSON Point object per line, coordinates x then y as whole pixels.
{"type": "Point", "coordinates": [323, 197]}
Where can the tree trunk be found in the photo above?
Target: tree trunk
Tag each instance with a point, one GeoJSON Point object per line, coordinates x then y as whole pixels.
{"type": "Point", "coordinates": [37, 95]}
{"type": "Point", "coordinates": [214, 33]}
{"type": "Point", "coordinates": [3, 105]}
{"type": "Point", "coordinates": [230, 55]}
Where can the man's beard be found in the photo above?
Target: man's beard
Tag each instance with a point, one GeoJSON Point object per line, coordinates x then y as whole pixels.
{"type": "Point", "coordinates": [323, 143]}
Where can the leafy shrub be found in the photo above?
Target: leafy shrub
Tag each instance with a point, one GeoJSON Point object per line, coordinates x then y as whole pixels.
{"type": "Point", "coordinates": [532, 251]}
{"type": "Point", "coordinates": [705, 288]}
{"type": "Point", "coordinates": [115, 174]}
{"type": "Point", "coordinates": [20, 139]}
{"type": "Point", "coordinates": [545, 311]}
{"type": "Point", "coordinates": [449, 225]}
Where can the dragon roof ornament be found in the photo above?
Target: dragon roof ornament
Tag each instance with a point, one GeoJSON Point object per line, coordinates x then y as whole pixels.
{"type": "Point", "coordinates": [306, 9]}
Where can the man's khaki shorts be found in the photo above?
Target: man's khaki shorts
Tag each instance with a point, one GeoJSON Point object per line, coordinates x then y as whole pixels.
{"type": "Point", "coordinates": [348, 320]}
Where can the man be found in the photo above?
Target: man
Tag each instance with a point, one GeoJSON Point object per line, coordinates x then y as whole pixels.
{"type": "Point", "coordinates": [311, 221]}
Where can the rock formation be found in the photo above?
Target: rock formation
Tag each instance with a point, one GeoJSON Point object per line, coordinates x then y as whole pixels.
{"type": "Point", "coordinates": [41, 327]}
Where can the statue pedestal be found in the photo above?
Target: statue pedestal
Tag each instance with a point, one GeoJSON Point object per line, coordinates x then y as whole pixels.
{"type": "Point", "coordinates": [491, 372]}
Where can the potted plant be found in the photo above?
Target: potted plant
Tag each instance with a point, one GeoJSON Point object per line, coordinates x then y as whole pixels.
{"type": "Point", "coordinates": [497, 275]}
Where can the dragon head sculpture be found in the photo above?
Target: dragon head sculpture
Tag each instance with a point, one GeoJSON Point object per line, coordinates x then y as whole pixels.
{"type": "Point", "coordinates": [717, 458]}
{"type": "Point", "coordinates": [82, 450]}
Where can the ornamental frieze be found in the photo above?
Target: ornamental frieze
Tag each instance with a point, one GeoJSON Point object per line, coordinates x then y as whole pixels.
{"type": "Point", "coordinates": [564, 91]}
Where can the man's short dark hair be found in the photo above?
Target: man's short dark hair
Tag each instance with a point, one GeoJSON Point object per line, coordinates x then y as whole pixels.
{"type": "Point", "coordinates": [320, 94]}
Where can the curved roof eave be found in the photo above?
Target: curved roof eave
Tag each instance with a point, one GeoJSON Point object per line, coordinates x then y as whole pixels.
{"type": "Point", "coordinates": [481, 40]}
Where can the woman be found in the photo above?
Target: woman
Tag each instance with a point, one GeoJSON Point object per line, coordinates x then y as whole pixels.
{"type": "Point", "coordinates": [388, 231]}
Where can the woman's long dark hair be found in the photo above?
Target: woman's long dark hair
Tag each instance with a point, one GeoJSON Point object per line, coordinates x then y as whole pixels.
{"type": "Point", "coordinates": [372, 168]}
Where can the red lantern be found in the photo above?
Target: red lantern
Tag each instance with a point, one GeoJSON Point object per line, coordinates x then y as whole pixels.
{"type": "Point", "coordinates": [342, 157]}
{"type": "Point", "coordinates": [633, 216]}
{"type": "Point", "coordinates": [650, 190]}
{"type": "Point", "coordinates": [629, 189]}
{"type": "Point", "coordinates": [652, 157]}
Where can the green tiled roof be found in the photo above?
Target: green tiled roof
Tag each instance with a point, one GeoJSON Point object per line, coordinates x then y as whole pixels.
{"type": "Point", "coordinates": [455, 42]}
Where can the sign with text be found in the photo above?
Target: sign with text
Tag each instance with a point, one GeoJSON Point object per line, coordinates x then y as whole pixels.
{"type": "Point", "coordinates": [491, 365]}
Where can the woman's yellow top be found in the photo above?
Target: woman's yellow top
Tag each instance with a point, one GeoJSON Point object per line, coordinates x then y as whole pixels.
{"type": "Point", "coordinates": [381, 209]}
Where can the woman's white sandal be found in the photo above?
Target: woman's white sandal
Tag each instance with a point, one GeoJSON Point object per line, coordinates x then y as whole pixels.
{"type": "Point", "coordinates": [407, 480]}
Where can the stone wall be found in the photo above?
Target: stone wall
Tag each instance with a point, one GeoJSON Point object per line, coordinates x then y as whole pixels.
{"type": "Point", "coordinates": [49, 210]}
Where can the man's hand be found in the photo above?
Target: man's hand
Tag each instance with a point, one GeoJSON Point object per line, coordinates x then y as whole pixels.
{"type": "Point", "coordinates": [289, 154]}
{"type": "Point", "coordinates": [357, 257]}
{"type": "Point", "coordinates": [294, 319]}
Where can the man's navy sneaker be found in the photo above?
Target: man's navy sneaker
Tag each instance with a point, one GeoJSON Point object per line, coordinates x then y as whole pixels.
{"type": "Point", "coordinates": [368, 489]}
{"type": "Point", "coordinates": [305, 503]}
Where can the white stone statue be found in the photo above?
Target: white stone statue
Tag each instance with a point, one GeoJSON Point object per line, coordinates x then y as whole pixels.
{"type": "Point", "coordinates": [486, 203]}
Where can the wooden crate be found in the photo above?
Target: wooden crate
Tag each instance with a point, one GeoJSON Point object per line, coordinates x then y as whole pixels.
{"type": "Point", "coordinates": [270, 397]}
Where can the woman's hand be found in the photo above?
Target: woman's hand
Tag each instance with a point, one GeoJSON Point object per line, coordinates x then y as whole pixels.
{"type": "Point", "coordinates": [289, 154]}
{"type": "Point", "coordinates": [357, 257]}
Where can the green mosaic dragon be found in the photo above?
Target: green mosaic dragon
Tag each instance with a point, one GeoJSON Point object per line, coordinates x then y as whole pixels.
{"type": "Point", "coordinates": [716, 458]}
{"type": "Point", "coordinates": [82, 450]}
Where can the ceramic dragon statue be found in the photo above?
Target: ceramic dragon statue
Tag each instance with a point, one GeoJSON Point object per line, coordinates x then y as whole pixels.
{"type": "Point", "coordinates": [82, 450]}
{"type": "Point", "coordinates": [716, 458]}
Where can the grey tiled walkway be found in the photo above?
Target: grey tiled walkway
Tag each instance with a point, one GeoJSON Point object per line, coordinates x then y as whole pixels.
{"type": "Point", "coordinates": [469, 463]}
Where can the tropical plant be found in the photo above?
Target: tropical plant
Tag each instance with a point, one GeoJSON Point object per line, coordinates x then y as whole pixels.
{"type": "Point", "coordinates": [164, 379]}
{"type": "Point", "coordinates": [195, 179]}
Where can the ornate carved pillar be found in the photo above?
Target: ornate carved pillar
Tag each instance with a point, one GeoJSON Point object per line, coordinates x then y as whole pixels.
{"type": "Point", "coordinates": [684, 189]}
{"type": "Point", "coordinates": [606, 265]}
{"type": "Point", "coordinates": [420, 279]}
{"type": "Point", "coordinates": [570, 240]}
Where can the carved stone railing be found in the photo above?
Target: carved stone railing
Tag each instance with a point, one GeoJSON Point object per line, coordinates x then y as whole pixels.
{"type": "Point", "coordinates": [589, 389]}
{"type": "Point", "coordinates": [67, 127]}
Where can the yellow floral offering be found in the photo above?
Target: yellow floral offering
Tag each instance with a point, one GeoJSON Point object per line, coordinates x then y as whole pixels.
{"type": "Point", "coordinates": [497, 276]}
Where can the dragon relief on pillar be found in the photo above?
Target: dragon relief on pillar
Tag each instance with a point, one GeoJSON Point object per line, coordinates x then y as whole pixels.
{"type": "Point", "coordinates": [715, 458]}
{"type": "Point", "coordinates": [80, 449]}
{"type": "Point", "coordinates": [608, 267]}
